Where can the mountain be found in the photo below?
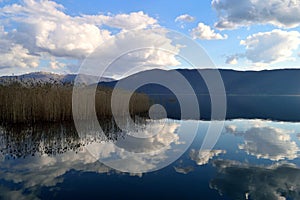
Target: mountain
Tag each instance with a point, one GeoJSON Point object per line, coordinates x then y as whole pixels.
{"type": "Point", "coordinates": [44, 78]}
{"type": "Point", "coordinates": [273, 94]}
{"type": "Point", "coordinates": [267, 82]}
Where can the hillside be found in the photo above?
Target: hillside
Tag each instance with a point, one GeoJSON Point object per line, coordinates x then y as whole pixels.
{"type": "Point", "coordinates": [271, 94]}
{"type": "Point", "coordinates": [38, 78]}
{"type": "Point", "coordinates": [273, 82]}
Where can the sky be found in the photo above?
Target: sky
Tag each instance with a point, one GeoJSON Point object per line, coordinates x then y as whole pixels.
{"type": "Point", "coordinates": [58, 36]}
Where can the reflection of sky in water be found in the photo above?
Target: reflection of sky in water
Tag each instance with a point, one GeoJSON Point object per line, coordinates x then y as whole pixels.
{"type": "Point", "coordinates": [253, 159]}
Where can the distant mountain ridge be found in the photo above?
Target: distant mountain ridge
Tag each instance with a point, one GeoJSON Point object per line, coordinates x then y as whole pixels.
{"type": "Point", "coordinates": [273, 94]}
{"type": "Point", "coordinates": [267, 82]}
{"type": "Point", "coordinates": [44, 78]}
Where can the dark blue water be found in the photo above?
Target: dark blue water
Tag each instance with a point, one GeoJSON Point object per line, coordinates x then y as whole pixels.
{"type": "Point", "coordinates": [253, 159]}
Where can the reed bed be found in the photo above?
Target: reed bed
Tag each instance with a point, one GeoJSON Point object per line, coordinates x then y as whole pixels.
{"type": "Point", "coordinates": [53, 103]}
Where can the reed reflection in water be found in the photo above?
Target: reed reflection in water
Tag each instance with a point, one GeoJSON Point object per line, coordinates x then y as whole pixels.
{"type": "Point", "coordinates": [22, 140]}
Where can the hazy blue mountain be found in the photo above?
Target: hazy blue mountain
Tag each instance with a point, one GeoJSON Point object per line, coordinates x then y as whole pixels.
{"type": "Point", "coordinates": [272, 82]}
{"type": "Point", "coordinates": [273, 94]}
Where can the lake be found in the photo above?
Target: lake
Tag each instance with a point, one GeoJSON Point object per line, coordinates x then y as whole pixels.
{"type": "Point", "coordinates": [252, 159]}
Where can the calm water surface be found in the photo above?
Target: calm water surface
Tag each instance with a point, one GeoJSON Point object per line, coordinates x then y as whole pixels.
{"type": "Point", "coordinates": [253, 159]}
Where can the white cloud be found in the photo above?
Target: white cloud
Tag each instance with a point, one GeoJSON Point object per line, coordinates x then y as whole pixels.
{"type": "Point", "coordinates": [185, 18]}
{"type": "Point", "coordinates": [233, 60]}
{"type": "Point", "coordinates": [231, 128]}
{"type": "Point", "coordinates": [267, 142]}
{"type": "Point", "coordinates": [202, 157]}
{"type": "Point", "coordinates": [234, 13]}
{"type": "Point", "coordinates": [14, 55]}
{"type": "Point", "coordinates": [44, 29]}
{"type": "Point", "coordinates": [134, 20]}
{"type": "Point", "coordinates": [137, 50]}
{"type": "Point", "coordinates": [53, 31]}
{"type": "Point", "coordinates": [54, 64]}
{"type": "Point", "coordinates": [241, 180]}
{"type": "Point", "coordinates": [204, 32]}
{"type": "Point", "coordinates": [271, 47]}
{"type": "Point", "coordinates": [18, 56]}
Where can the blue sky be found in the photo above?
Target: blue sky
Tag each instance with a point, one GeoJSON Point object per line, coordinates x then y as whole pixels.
{"type": "Point", "coordinates": [240, 35]}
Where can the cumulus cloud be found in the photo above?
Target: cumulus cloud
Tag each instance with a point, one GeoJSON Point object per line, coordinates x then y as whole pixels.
{"type": "Point", "coordinates": [234, 13]}
{"type": "Point", "coordinates": [18, 56]}
{"type": "Point", "coordinates": [43, 28]}
{"type": "Point", "coordinates": [134, 51]}
{"type": "Point", "coordinates": [53, 30]}
{"type": "Point", "coordinates": [268, 47]}
{"type": "Point", "coordinates": [134, 20]}
{"type": "Point", "coordinates": [271, 47]}
{"type": "Point", "coordinates": [233, 60]}
{"type": "Point", "coordinates": [204, 32]}
{"type": "Point", "coordinates": [54, 64]}
{"type": "Point", "coordinates": [231, 128]}
{"type": "Point", "coordinates": [185, 18]}
{"type": "Point", "coordinates": [267, 142]}
{"type": "Point", "coordinates": [202, 157]}
{"type": "Point", "coordinates": [245, 181]}
{"type": "Point", "coordinates": [14, 55]}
